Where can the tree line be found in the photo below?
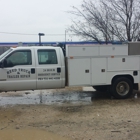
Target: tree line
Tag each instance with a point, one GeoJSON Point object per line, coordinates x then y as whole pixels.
{"type": "Point", "coordinates": [107, 20]}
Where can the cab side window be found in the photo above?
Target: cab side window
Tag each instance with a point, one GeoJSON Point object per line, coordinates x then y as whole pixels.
{"type": "Point", "coordinates": [47, 57]}
{"type": "Point", "coordinates": [21, 57]}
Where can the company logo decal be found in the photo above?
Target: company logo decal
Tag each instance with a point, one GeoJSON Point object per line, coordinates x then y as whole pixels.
{"type": "Point", "coordinates": [18, 73]}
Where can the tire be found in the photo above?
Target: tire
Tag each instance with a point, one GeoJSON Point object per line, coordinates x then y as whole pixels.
{"type": "Point", "coordinates": [122, 88]}
{"type": "Point", "coordinates": [100, 88]}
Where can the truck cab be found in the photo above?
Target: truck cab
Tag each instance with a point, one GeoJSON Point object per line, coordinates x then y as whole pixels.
{"type": "Point", "coordinates": [26, 68]}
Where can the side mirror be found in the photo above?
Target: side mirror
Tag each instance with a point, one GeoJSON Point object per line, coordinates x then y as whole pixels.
{"type": "Point", "coordinates": [3, 63]}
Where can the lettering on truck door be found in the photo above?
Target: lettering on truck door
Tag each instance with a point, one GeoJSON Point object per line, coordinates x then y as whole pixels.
{"type": "Point", "coordinates": [19, 71]}
{"type": "Point", "coordinates": [48, 69]}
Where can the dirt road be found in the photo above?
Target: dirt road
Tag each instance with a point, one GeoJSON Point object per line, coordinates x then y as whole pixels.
{"type": "Point", "coordinates": [95, 117]}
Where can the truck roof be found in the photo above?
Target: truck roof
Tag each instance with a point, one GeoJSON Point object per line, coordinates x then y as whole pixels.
{"type": "Point", "coordinates": [41, 47]}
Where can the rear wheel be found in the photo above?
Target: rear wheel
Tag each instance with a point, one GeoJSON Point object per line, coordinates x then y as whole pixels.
{"type": "Point", "coordinates": [122, 88]}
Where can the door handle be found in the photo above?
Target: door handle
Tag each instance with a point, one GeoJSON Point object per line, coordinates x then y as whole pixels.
{"type": "Point", "coordinates": [58, 70]}
{"type": "Point", "coordinates": [32, 70]}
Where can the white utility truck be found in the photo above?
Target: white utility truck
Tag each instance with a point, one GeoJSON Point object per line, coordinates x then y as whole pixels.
{"type": "Point", "coordinates": [115, 68]}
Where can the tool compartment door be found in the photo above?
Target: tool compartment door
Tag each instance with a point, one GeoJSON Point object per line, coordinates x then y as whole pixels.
{"type": "Point", "coordinates": [99, 68]}
{"type": "Point", "coordinates": [79, 71]}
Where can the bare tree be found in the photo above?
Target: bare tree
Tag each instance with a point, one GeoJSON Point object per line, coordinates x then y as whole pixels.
{"type": "Point", "coordinates": [107, 20]}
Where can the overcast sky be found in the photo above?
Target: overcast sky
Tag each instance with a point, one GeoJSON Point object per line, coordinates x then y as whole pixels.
{"type": "Point", "coordinates": [33, 17]}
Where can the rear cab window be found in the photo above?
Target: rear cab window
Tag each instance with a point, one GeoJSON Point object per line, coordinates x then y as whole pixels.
{"type": "Point", "coordinates": [47, 56]}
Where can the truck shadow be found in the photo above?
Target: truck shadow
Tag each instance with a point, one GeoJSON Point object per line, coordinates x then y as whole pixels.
{"type": "Point", "coordinates": [58, 97]}
{"type": "Point", "coordinates": [107, 95]}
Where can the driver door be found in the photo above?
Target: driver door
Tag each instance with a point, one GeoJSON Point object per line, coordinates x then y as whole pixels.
{"type": "Point", "coordinates": [19, 71]}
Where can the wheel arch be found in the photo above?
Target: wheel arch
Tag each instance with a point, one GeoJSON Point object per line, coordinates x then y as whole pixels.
{"type": "Point", "coordinates": [130, 77]}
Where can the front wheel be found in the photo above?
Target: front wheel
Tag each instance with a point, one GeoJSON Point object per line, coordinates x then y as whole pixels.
{"type": "Point", "coordinates": [122, 88]}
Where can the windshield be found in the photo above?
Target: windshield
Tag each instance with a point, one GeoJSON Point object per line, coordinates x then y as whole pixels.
{"type": "Point", "coordinates": [5, 53]}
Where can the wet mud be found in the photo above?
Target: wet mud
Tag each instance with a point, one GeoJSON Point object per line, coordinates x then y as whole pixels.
{"type": "Point", "coordinates": [27, 134]}
{"type": "Point", "coordinates": [68, 114]}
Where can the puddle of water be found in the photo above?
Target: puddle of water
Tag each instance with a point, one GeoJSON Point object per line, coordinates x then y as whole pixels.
{"type": "Point", "coordinates": [27, 134]}
{"type": "Point", "coordinates": [47, 97]}
{"type": "Point", "coordinates": [50, 97]}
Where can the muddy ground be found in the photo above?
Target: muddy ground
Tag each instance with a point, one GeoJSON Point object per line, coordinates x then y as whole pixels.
{"type": "Point", "coordinates": [68, 114]}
